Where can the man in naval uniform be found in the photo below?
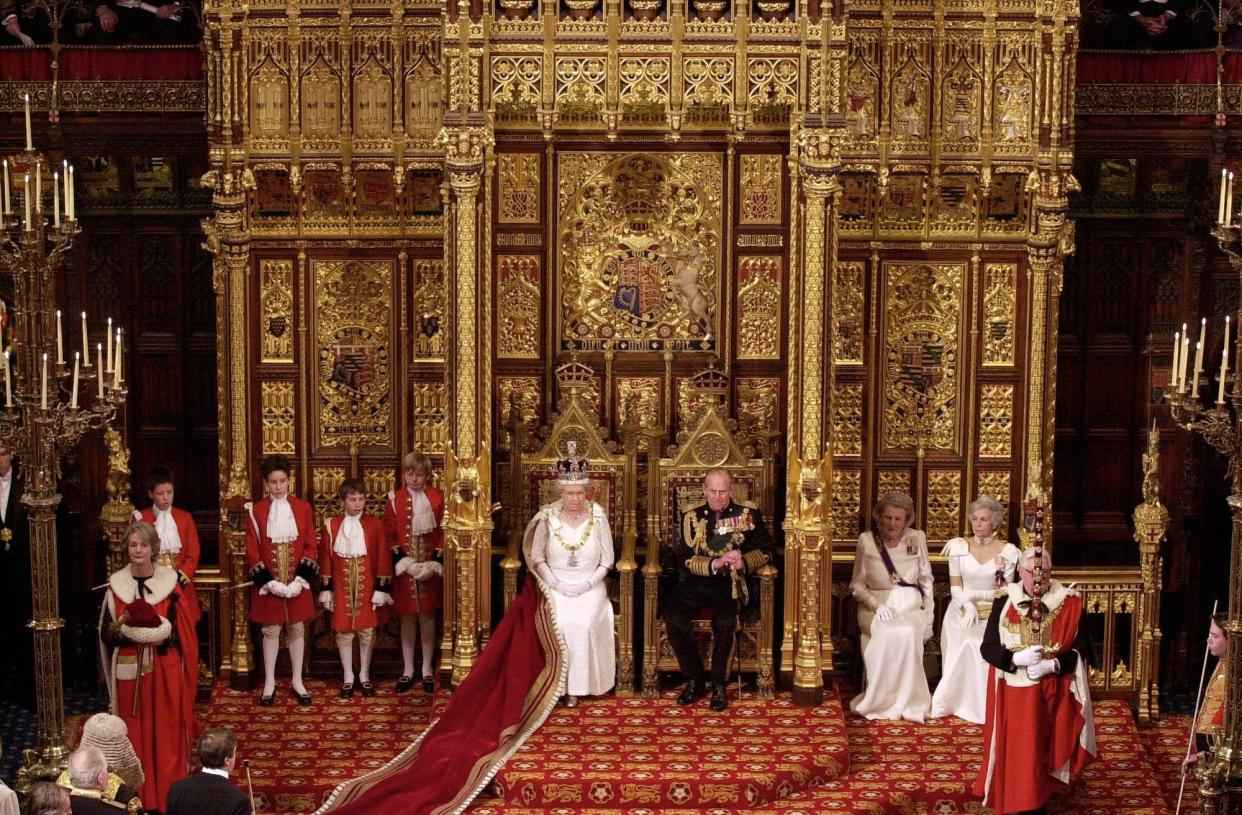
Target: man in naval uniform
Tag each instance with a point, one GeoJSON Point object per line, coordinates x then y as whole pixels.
{"type": "Point", "coordinates": [88, 775]}
{"type": "Point", "coordinates": [721, 543]}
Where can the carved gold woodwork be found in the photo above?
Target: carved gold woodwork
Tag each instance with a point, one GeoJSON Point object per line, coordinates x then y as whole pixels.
{"type": "Point", "coordinates": [641, 396]}
{"type": "Point", "coordinates": [325, 483]}
{"type": "Point", "coordinates": [761, 189]}
{"type": "Point", "coordinates": [996, 421]}
{"type": "Point", "coordinates": [893, 481]}
{"type": "Point", "coordinates": [518, 284]}
{"type": "Point", "coordinates": [378, 481]}
{"type": "Point", "coordinates": [1000, 317]}
{"type": "Point", "coordinates": [430, 408]}
{"type": "Point", "coordinates": [848, 300]}
{"type": "Point", "coordinates": [352, 329]}
{"type": "Point", "coordinates": [944, 505]}
{"type": "Point", "coordinates": [922, 313]}
{"type": "Point", "coordinates": [758, 404]}
{"type": "Point", "coordinates": [640, 251]}
{"type": "Point", "coordinates": [279, 406]}
{"type": "Point", "coordinates": [528, 390]}
{"type": "Point", "coordinates": [276, 296]}
{"type": "Point", "coordinates": [759, 307]}
{"type": "Point", "coordinates": [516, 82]}
{"type": "Point", "coordinates": [847, 419]}
{"type": "Point", "coordinates": [846, 504]}
{"type": "Point", "coordinates": [518, 193]}
{"type": "Point", "coordinates": [430, 298]}
{"type": "Point", "coordinates": [644, 90]}
{"type": "Point", "coordinates": [424, 88]}
{"type": "Point", "coordinates": [995, 484]}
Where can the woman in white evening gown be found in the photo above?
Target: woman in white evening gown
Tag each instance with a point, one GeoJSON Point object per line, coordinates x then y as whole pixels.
{"type": "Point", "coordinates": [892, 583]}
{"type": "Point", "coordinates": [979, 566]}
{"type": "Point", "coordinates": [568, 546]}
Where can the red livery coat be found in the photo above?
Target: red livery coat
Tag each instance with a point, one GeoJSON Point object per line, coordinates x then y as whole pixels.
{"type": "Point", "coordinates": [411, 596]}
{"type": "Point", "coordinates": [354, 579]}
{"type": "Point", "coordinates": [267, 561]}
{"type": "Point", "coordinates": [153, 687]}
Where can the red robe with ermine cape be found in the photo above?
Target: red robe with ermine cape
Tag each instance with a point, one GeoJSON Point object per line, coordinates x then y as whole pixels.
{"type": "Point", "coordinates": [1039, 734]}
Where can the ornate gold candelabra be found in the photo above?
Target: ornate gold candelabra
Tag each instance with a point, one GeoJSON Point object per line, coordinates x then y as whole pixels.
{"type": "Point", "coordinates": [1220, 424]}
{"type": "Point", "coordinates": [52, 397]}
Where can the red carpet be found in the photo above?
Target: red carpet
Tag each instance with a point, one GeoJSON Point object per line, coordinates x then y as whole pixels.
{"type": "Point", "coordinates": [1165, 742]}
{"type": "Point", "coordinates": [645, 756]}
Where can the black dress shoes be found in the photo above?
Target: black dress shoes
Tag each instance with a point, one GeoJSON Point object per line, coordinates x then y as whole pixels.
{"type": "Point", "coordinates": [720, 697]}
{"type": "Point", "coordinates": [429, 684]}
{"type": "Point", "coordinates": [267, 701]}
{"type": "Point", "coordinates": [304, 699]}
{"type": "Point", "coordinates": [347, 690]}
{"type": "Point", "coordinates": [368, 689]}
{"type": "Point", "coordinates": [404, 684]}
{"type": "Point", "coordinates": [694, 690]}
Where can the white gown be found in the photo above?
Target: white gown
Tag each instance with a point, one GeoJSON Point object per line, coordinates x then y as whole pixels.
{"type": "Point", "coordinates": [963, 688]}
{"type": "Point", "coordinates": [585, 622]}
{"type": "Point", "coordinates": [895, 686]}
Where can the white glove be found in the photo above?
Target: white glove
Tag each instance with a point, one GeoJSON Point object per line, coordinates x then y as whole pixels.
{"type": "Point", "coordinates": [294, 589]}
{"type": "Point", "coordinates": [1028, 656]}
{"type": "Point", "coordinates": [970, 612]}
{"type": "Point", "coordinates": [380, 598]}
{"type": "Point", "coordinates": [264, 590]}
{"type": "Point", "coordinates": [277, 588]}
{"type": "Point", "coordinates": [927, 631]}
{"type": "Point", "coordinates": [418, 572]}
{"type": "Point", "coordinates": [434, 568]}
{"type": "Point", "coordinates": [574, 589]}
{"type": "Point", "coordinates": [404, 565]}
{"type": "Point", "coordinates": [1042, 668]}
{"type": "Point", "coordinates": [884, 614]}
{"type": "Point", "coordinates": [325, 599]}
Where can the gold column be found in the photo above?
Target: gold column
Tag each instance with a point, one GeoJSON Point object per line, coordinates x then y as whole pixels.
{"type": "Point", "coordinates": [1151, 521]}
{"type": "Point", "coordinates": [811, 369]}
{"type": "Point", "coordinates": [117, 510]}
{"type": "Point", "coordinates": [467, 141]}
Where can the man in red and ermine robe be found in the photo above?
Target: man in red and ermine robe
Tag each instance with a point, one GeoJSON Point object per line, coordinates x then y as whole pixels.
{"type": "Point", "coordinates": [1039, 733]}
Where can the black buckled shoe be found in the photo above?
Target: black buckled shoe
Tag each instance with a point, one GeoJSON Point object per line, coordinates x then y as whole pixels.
{"type": "Point", "coordinates": [347, 690]}
{"type": "Point", "coordinates": [267, 701]}
{"type": "Point", "coordinates": [694, 690]}
{"type": "Point", "coordinates": [304, 699]}
{"type": "Point", "coordinates": [429, 684]}
{"type": "Point", "coordinates": [368, 689]}
{"type": "Point", "coordinates": [405, 683]}
{"type": "Point", "coordinates": [720, 697]}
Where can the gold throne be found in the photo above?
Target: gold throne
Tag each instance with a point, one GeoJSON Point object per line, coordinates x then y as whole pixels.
{"type": "Point", "coordinates": [535, 478]}
{"type": "Point", "coordinates": [676, 485]}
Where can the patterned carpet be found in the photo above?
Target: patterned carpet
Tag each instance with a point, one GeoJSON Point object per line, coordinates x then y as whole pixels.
{"type": "Point", "coordinates": [298, 754]}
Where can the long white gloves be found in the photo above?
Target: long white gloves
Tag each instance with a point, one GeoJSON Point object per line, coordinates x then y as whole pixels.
{"type": "Point", "coordinates": [1042, 668]}
{"type": "Point", "coordinates": [1028, 656]}
{"type": "Point", "coordinates": [884, 614]}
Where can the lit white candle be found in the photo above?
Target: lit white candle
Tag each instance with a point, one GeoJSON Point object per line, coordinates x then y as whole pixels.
{"type": "Point", "coordinates": [8, 209]}
{"type": "Point", "coordinates": [26, 197]}
{"type": "Point", "coordinates": [86, 345]}
{"type": "Point", "coordinates": [29, 139]}
{"type": "Point", "coordinates": [1181, 365]}
{"type": "Point", "coordinates": [1177, 347]}
{"type": "Point", "coordinates": [116, 380]}
{"type": "Point", "coordinates": [108, 340]}
{"type": "Point", "coordinates": [77, 361]}
{"type": "Point", "coordinates": [99, 352]}
{"type": "Point", "coordinates": [8, 383]}
{"type": "Point", "coordinates": [73, 198]}
{"type": "Point", "coordinates": [38, 187]}
{"type": "Point", "coordinates": [56, 200]}
{"type": "Point", "coordinates": [1224, 365]}
{"type": "Point", "coordinates": [1194, 389]}
{"type": "Point", "coordinates": [1202, 344]}
{"type": "Point", "coordinates": [60, 340]}
{"type": "Point", "coordinates": [43, 401]}
{"type": "Point", "coordinates": [1229, 201]}
{"type": "Point", "coordinates": [1220, 212]}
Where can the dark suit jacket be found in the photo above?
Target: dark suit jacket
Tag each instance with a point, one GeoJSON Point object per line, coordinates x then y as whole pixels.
{"type": "Point", "coordinates": [15, 553]}
{"type": "Point", "coordinates": [206, 794]}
